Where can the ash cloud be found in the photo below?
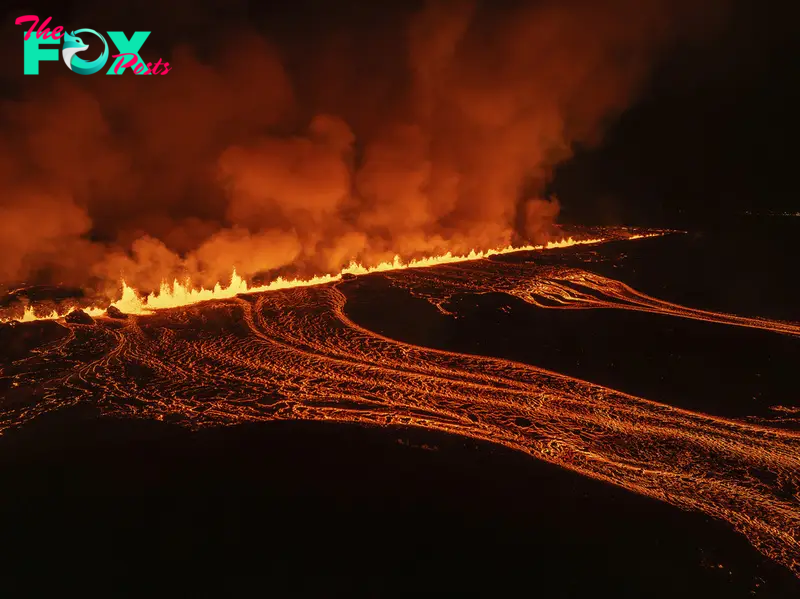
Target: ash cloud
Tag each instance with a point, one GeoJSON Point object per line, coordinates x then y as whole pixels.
{"type": "Point", "coordinates": [435, 132]}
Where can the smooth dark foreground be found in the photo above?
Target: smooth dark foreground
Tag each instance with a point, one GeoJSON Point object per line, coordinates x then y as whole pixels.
{"type": "Point", "coordinates": [340, 510]}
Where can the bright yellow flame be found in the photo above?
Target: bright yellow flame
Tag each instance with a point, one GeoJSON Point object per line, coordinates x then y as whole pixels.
{"type": "Point", "coordinates": [30, 316]}
{"type": "Point", "coordinates": [178, 294]}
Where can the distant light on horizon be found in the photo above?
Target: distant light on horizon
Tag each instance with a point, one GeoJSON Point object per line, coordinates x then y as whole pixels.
{"type": "Point", "coordinates": [771, 213]}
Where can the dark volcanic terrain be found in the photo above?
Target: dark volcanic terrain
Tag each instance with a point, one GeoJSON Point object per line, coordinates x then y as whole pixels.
{"type": "Point", "coordinates": [372, 435]}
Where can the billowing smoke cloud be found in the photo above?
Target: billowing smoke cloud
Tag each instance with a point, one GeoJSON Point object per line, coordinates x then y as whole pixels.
{"type": "Point", "coordinates": [438, 135]}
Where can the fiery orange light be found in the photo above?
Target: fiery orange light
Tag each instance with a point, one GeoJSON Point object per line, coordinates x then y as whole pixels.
{"type": "Point", "coordinates": [179, 294]}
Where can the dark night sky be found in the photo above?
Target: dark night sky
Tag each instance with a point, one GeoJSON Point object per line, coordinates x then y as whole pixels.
{"type": "Point", "coordinates": [713, 134]}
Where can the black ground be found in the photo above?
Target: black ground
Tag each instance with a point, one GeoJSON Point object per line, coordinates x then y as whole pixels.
{"type": "Point", "coordinates": [305, 509]}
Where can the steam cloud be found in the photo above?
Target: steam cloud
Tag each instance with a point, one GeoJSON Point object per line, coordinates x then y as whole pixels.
{"type": "Point", "coordinates": [440, 136]}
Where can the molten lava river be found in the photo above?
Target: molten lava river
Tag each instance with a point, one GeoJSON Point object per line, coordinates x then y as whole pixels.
{"type": "Point", "coordinates": [295, 354]}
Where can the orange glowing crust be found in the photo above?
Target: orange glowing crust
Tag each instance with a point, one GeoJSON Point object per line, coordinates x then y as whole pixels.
{"type": "Point", "coordinates": [294, 354]}
{"type": "Point", "coordinates": [572, 289]}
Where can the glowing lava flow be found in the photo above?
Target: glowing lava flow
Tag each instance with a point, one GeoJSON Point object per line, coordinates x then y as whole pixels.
{"type": "Point", "coordinates": [296, 355]}
{"type": "Point", "coordinates": [563, 288]}
{"type": "Point", "coordinates": [179, 294]}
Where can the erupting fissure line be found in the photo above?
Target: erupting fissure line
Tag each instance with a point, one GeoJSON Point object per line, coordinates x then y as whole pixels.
{"type": "Point", "coordinates": [179, 294]}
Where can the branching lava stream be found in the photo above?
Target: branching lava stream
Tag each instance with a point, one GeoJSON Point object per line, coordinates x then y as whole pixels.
{"type": "Point", "coordinates": [294, 354]}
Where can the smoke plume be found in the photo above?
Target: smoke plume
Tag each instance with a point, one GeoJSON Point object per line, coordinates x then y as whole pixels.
{"type": "Point", "coordinates": [436, 132]}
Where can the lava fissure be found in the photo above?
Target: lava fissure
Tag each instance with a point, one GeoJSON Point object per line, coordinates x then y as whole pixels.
{"type": "Point", "coordinates": [183, 294]}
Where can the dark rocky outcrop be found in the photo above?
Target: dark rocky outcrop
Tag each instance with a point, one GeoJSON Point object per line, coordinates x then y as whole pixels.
{"type": "Point", "coordinates": [78, 317]}
{"type": "Point", "coordinates": [114, 312]}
